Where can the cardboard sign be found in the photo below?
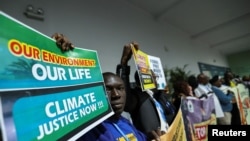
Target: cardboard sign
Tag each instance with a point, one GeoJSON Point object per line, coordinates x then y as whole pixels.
{"type": "Point", "coordinates": [143, 68]}
{"type": "Point", "coordinates": [156, 66]}
{"type": "Point", "coordinates": [47, 94]}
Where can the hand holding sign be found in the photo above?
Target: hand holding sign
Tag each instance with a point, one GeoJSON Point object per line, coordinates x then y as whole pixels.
{"type": "Point", "coordinates": [127, 52]}
{"type": "Point", "coordinates": [62, 42]}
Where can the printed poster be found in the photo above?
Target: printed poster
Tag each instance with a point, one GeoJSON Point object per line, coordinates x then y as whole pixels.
{"type": "Point", "coordinates": [244, 94]}
{"type": "Point", "coordinates": [143, 68]}
{"type": "Point", "coordinates": [197, 115]}
{"type": "Point", "coordinates": [243, 102]}
{"type": "Point", "coordinates": [156, 66]}
{"type": "Point", "coordinates": [46, 94]}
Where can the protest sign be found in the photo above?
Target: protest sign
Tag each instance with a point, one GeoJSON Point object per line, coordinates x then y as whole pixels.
{"type": "Point", "coordinates": [197, 115]}
{"type": "Point", "coordinates": [156, 66]}
{"type": "Point", "coordinates": [143, 68]}
{"type": "Point", "coordinates": [241, 93]}
{"type": "Point", "coordinates": [176, 132]}
{"type": "Point", "coordinates": [47, 94]}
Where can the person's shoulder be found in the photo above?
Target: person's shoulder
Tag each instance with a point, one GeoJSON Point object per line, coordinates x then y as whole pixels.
{"type": "Point", "coordinates": [200, 86]}
{"type": "Point", "coordinates": [98, 133]}
{"type": "Point", "coordinates": [93, 133]}
{"type": "Point", "coordinates": [124, 120]}
{"type": "Point", "coordinates": [198, 90]}
{"type": "Point", "coordinates": [214, 88]}
{"type": "Point", "coordinates": [217, 90]}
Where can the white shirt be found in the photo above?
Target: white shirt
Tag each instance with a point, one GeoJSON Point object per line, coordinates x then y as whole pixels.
{"type": "Point", "coordinates": [205, 89]}
{"type": "Point", "coordinates": [202, 89]}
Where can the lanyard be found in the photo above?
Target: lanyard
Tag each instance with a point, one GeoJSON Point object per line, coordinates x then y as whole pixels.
{"type": "Point", "coordinates": [120, 131]}
{"type": "Point", "coordinates": [158, 106]}
{"type": "Point", "coordinates": [163, 120]}
{"type": "Point", "coordinates": [169, 106]}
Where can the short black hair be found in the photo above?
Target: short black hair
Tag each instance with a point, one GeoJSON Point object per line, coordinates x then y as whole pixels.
{"type": "Point", "coordinates": [214, 79]}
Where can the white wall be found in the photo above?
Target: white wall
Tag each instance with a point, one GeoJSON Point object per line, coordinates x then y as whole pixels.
{"type": "Point", "coordinates": [107, 25]}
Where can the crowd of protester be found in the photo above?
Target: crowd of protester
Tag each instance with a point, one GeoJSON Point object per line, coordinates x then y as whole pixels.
{"type": "Point", "coordinates": [151, 111]}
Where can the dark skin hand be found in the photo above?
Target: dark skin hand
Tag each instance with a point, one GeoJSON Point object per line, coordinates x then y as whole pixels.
{"type": "Point", "coordinates": [127, 52]}
{"type": "Point", "coordinates": [62, 42]}
{"type": "Point", "coordinates": [156, 134]}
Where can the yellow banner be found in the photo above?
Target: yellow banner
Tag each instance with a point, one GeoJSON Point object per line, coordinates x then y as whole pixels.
{"type": "Point", "coordinates": [176, 131]}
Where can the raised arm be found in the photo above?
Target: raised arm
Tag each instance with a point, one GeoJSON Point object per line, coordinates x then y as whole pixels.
{"type": "Point", "coordinates": [123, 70]}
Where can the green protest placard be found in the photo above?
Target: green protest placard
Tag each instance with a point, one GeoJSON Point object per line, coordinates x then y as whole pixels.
{"type": "Point", "coordinates": [47, 94]}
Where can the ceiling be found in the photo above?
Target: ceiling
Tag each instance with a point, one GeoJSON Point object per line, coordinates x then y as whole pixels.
{"type": "Point", "coordinates": [222, 24]}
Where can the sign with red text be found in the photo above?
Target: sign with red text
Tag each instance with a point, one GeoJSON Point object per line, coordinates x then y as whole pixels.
{"type": "Point", "coordinates": [197, 115]}
{"type": "Point", "coordinates": [143, 68]}
{"type": "Point", "coordinates": [47, 94]}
